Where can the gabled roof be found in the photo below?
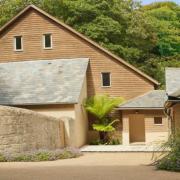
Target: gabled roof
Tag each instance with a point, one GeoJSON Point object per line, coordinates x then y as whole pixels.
{"type": "Point", "coordinates": [3, 28]}
{"type": "Point", "coordinates": [173, 82]}
{"type": "Point", "coordinates": [56, 81]}
{"type": "Point", "coordinates": [152, 100]}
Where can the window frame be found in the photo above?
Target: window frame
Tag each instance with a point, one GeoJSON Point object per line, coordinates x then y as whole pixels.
{"type": "Point", "coordinates": [109, 79]}
{"type": "Point", "coordinates": [14, 42]}
{"type": "Point", "coordinates": [44, 37]}
{"type": "Point", "coordinates": [158, 124]}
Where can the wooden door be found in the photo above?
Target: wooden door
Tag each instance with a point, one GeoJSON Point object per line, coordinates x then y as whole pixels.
{"type": "Point", "coordinates": [136, 128]}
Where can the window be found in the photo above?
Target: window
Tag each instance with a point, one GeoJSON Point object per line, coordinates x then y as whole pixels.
{"type": "Point", "coordinates": [158, 120]}
{"type": "Point", "coordinates": [106, 79]}
{"type": "Point", "coordinates": [47, 40]}
{"type": "Point", "coordinates": [18, 44]}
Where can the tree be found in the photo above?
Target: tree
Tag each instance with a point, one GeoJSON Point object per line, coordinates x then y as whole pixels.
{"type": "Point", "coordinates": [100, 106]}
{"type": "Point", "coordinates": [155, 67]}
{"type": "Point", "coordinates": [165, 19]}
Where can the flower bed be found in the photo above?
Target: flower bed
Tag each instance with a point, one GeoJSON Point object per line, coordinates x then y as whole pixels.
{"type": "Point", "coordinates": [41, 155]}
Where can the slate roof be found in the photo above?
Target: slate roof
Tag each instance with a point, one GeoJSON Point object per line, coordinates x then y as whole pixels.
{"type": "Point", "coordinates": [173, 82]}
{"type": "Point", "coordinates": [152, 100]}
{"type": "Point", "coordinates": [56, 81]}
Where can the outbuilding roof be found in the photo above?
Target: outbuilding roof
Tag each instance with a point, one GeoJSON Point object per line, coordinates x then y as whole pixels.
{"type": "Point", "coordinates": [56, 81]}
{"type": "Point", "coordinates": [173, 82]}
{"type": "Point", "coordinates": [8, 24]}
{"type": "Point", "coordinates": [152, 100]}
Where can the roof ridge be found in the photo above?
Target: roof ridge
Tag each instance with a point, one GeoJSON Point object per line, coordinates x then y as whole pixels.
{"type": "Point", "coordinates": [81, 36]}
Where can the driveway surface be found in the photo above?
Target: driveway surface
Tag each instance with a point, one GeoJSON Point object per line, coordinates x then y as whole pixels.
{"type": "Point", "coordinates": [90, 166]}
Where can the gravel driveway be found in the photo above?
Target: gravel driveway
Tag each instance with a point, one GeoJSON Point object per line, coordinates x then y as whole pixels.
{"type": "Point", "coordinates": [91, 166]}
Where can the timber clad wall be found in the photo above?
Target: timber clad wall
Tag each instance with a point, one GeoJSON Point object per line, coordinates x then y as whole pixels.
{"type": "Point", "coordinates": [149, 120]}
{"type": "Point", "coordinates": [153, 133]}
{"type": "Point", "coordinates": [176, 110]}
{"type": "Point", "coordinates": [125, 81]}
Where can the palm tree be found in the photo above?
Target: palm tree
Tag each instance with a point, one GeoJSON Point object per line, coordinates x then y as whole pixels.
{"type": "Point", "coordinates": [101, 106]}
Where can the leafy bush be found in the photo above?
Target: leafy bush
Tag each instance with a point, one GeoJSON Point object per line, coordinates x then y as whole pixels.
{"type": "Point", "coordinates": [114, 142]}
{"type": "Point", "coordinates": [2, 158]}
{"type": "Point", "coordinates": [41, 155]}
{"type": "Point", "coordinates": [101, 106]}
{"type": "Point", "coordinates": [96, 142]}
{"type": "Point", "coordinates": [171, 160]}
{"type": "Point", "coordinates": [110, 142]}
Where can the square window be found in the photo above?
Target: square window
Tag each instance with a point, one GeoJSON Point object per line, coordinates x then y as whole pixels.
{"type": "Point", "coordinates": [106, 79]}
{"type": "Point", "coordinates": [47, 38]}
{"type": "Point", "coordinates": [158, 120]}
{"type": "Point", "coordinates": [18, 43]}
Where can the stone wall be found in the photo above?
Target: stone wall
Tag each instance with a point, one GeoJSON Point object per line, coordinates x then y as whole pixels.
{"type": "Point", "coordinates": [24, 130]}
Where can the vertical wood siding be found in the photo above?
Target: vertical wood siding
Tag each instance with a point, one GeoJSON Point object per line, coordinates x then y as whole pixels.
{"type": "Point", "coordinates": [176, 118]}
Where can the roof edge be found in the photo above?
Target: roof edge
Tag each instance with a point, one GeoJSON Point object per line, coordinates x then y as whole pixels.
{"type": "Point", "coordinates": [140, 108]}
{"type": "Point", "coordinates": [38, 104]}
{"type": "Point", "coordinates": [44, 60]}
{"type": "Point", "coordinates": [81, 36]}
{"type": "Point", "coordinates": [166, 68]}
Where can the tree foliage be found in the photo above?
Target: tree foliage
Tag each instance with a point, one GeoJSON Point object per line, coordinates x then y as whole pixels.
{"type": "Point", "coordinates": [146, 36]}
{"type": "Point", "coordinates": [101, 106]}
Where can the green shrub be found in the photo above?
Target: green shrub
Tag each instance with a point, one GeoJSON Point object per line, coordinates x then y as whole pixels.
{"type": "Point", "coordinates": [114, 142]}
{"type": "Point", "coordinates": [97, 142]}
{"type": "Point", "coordinates": [171, 160]}
{"type": "Point", "coordinates": [41, 155]}
{"type": "Point", "coordinates": [110, 142]}
{"type": "Point", "coordinates": [2, 158]}
{"type": "Point", "coordinates": [21, 158]}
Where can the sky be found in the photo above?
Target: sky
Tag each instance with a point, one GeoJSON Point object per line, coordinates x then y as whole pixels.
{"type": "Point", "coordinates": [150, 1]}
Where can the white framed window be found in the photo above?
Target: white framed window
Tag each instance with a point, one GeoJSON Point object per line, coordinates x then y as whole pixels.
{"type": "Point", "coordinates": [105, 79]}
{"type": "Point", "coordinates": [158, 120]}
{"type": "Point", "coordinates": [18, 43]}
{"type": "Point", "coordinates": [47, 41]}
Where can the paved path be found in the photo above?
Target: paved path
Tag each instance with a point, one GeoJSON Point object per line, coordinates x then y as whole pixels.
{"type": "Point", "coordinates": [91, 166]}
{"type": "Point", "coordinates": [121, 148]}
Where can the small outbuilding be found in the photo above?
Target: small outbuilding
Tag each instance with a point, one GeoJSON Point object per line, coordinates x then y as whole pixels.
{"type": "Point", "coordinates": [52, 87]}
{"type": "Point", "coordinates": [144, 120]}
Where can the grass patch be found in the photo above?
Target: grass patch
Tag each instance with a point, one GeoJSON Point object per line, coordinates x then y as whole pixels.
{"type": "Point", "coordinates": [41, 155]}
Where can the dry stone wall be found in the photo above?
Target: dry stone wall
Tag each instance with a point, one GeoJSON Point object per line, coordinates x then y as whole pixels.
{"type": "Point", "coordinates": [24, 130]}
